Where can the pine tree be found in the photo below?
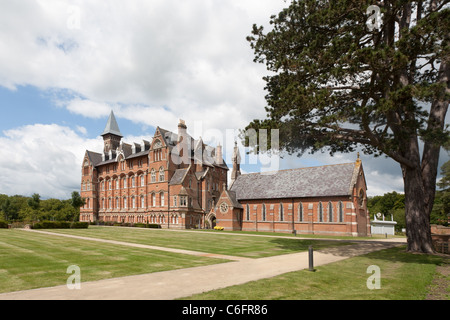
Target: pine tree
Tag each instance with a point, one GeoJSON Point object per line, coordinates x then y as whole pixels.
{"type": "Point", "coordinates": [342, 77]}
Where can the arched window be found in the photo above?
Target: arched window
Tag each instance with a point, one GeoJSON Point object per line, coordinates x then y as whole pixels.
{"type": "Point", "coordinates": [281, 212]}
{"type": "Point", "coordinates": [330, 211]}
{"type": "Point", "coordinates": [153, 175]}
{"type": "Point", "coordinates": [142, 202]}
{"type": "Point", "coordinates": [154, 199]}
{"type": "Point", "coordinates": [117, 203]}
{"type": "Point", "coordinates": [320, 212]}
{"type": "Point", "coordinates": [133, 182]}
{"type": "Point", "coordinates": [125, 202]}
{"type": "Point", "coordinates": [133, 200]}
{"type": "Point", "coordinates": [341, 211]}
{"type": "Point", "coordinates": [264, 212]}
{"type": "Point", "coordinates": [300, 212]}
{"type": "Point", "coordinates": [361, 198]}
{"type": "Point", "coordinates": [142, 180]}
{"type": "Point", "coordinates": [161, 174]}
{"type": "Point", "coordinates": [161, 199]}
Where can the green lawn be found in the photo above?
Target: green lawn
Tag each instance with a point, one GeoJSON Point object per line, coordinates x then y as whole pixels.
{"type": "Point", "coordinates": [234, 245]}
{"type": "Point", "coordinates": [31, 260]}
{"type": "Point", "coordinates": [404, 276]}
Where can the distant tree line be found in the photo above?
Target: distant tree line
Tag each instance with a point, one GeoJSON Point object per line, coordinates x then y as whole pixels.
{"type": "Point", "coordinates": [21, 208]}
{"type": "Point", "coordinates": [394, 203]}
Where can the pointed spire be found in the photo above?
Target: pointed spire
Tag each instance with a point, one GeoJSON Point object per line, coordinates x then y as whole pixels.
{"type": "Point", "coordinates": [111, 126]}
{"type": "Point", "coordinates": [236, 159]}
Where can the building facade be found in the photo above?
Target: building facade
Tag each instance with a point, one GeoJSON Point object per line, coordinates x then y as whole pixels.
{"type": "Point", "coordinates": [180, 183]}
{"type": "Point", "coordinates": [172, 180]}
{"type": "Point", "coordinates": [326, 200]}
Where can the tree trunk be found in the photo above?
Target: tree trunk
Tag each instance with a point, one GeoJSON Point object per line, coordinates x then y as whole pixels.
{"type": "Point", "coordinates": [417, 219]}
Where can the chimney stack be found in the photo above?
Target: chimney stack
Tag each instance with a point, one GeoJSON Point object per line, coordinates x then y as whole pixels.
{"type": "Point", "coordinates": [219, 155]}
{"type": "Point", "coordinates": [184, 144]}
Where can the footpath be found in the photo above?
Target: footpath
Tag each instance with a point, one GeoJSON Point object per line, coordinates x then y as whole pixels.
{"type": "Point", "coordinates": [169, 285]}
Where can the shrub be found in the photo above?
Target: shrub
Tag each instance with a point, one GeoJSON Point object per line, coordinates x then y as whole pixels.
{"type": "Point", "coordinates": [60, 225]}
{"type": "Point", "coordinates": [3, 225]}
{"type": "Point", "coordinates": [146, 225]}
{"type": "Point", "coordinates": [218, 228]}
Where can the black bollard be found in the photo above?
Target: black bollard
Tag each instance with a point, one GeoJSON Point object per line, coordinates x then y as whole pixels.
{"type": "Point", "coordinates": [311, 258]}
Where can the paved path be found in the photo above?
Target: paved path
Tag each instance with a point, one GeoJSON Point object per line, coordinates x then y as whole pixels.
{"type": "Point", "coordinates": [174, 284]}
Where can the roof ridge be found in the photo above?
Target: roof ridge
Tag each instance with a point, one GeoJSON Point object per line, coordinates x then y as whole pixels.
{"type": "Point", "coordinates": [294, 169]}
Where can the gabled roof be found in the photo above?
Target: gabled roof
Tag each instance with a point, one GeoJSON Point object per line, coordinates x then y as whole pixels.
{"type": "Point", "coordinates": [331, 180]}
{"type": "Point", "coordinates": [94, 157]}
{"type": "Point", "coordinates": [111, 126]}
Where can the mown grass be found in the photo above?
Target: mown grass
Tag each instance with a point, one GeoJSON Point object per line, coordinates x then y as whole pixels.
{"type": "Point", "coordinates": [31, 260]}
{"type": "Point", "coordinates": [404, 276]}
{"type": "Point", "coordinates": [243, 246]}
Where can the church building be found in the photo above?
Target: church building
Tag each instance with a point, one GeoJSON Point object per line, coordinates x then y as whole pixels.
{"type": "Point", "coordinates": [325, 200]}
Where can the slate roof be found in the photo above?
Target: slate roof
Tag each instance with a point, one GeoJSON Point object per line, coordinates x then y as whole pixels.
{"type": "Point", "coordinates": [111, 126]}
{"type": "Point", "coordinates": [331, 180]}
{"type": "Point", "coordinates": [178, 176]}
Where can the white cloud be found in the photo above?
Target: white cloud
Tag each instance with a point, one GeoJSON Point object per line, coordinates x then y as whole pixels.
{"type": "Point", "coordinates": [152, 62]}
{"type": "Point", "coordinates": [172, 59]}
{"type": "Point", "coordinates": [44, 159]}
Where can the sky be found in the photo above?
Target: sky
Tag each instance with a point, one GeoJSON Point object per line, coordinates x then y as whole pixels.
{"type": "Point", "coordinates": [64, 65]}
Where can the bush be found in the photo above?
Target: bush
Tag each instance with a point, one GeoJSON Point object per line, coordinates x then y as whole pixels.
{"type": "Point", "coordinates": [60, 225]}
{"type": "Point", "coordinates": [3, 225]}
{"type": "Point", "coordinates": [218, 228]}
{"type": "Point", "coordinates": [146, 225]}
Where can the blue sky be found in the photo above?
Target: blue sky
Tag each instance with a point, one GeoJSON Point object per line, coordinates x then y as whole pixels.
{"type": "Point", "coordinates": [64, 65]}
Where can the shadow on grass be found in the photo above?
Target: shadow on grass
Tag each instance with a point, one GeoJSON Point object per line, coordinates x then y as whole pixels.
{"type": "Point", "coordinates": [303, 245]}
{"type": "Point", "coordinates": [375, 250]}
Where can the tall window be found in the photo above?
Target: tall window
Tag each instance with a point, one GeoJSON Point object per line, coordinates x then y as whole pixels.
{"type": "Point", "coordinates": [320, 212]}
{"type": "Point", "coordinates": [133, 200]}
{"type": "Point", "coordinates": [133, 182]}
{"type": "Point", "coordinates": [125, 202]}
{"type": "Point", "coordinates": [300, 212]}
{"type": "Point", "coordinates": [330, 212]}
{"type": "Point", "coordinates": [142, 181]}
{"type": "Point", "coordinates": [161, 198]}
{"type": "Point", "coordinates": [281, 212]}
{"type": "Point", "coordinates": [117, 203]}
{"type": "Point", "coordinates": [341, 211]}
{"type": "Point", "coordinates": [153, 175]}
{"type": "Point", "coordinates": [264, 212]}
{"type": "Point", "coordinates": [142, 202]}
{"type": "Point", "coordinates": [161, 174]}
{"type": "Point", "coordinates": [175, 201]}
{"type": "Point", "coordinates": [154, 199]}
{"type": "Point", "coordinates": [248, 211]}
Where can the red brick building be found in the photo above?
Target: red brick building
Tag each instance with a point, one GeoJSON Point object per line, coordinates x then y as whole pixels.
{"type": "Point", "coordinates": [171, 180]}
{"type": "Point", "coordinates": [178, 182]}
{"type": "Point", "coordinates": [327, 200]}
